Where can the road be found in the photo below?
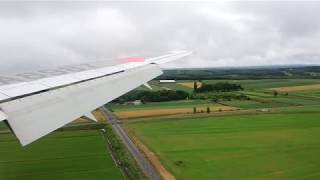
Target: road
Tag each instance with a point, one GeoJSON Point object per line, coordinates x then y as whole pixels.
{"type": "Point", "coordinates": [144, 164]}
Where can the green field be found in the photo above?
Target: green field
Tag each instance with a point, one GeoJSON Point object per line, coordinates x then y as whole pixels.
{"type": "Point", "coordinates": [269, 83]}
{"type": "Point", "coordinates": [156, 86]}
{"type": "Point", "coordinates": [273, 102]}
{"type": "Point", "coordinates": [78, 155]}
{"type": "Point", "coordinates": [3, 126]}
{"type": "Point", "coordinates": [253, 104]}
{"type": "Point", "coordinates": [172, 86]}
{"type": "Point", "coordinates": [309, 93]}
{"type": "Point", "coordinates": [265, 146]}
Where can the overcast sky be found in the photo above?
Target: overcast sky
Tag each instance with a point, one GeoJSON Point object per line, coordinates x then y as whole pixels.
{"type": "Point", "coordinates": [38, 35]}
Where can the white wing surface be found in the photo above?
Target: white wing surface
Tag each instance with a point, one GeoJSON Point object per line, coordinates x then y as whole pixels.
{"type": "Point", "coordinates": [36, 108]}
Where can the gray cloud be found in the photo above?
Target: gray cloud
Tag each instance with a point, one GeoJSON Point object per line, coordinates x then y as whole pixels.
{"type": "Point", "coordinates": [44, 34]}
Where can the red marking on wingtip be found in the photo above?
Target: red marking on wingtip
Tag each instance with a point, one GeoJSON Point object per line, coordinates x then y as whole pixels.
{"type": "Point", "coordinates": [132, 59]}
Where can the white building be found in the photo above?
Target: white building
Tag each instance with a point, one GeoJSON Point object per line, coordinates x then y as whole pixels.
{"type": "Point", "coordinates": [167, 81]}
{"type": "Point", "coordinates": [136, 102]}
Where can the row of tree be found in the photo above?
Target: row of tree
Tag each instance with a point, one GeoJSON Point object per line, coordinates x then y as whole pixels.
{"type": "Point", "coordinates": [208, 110]}
{"type": "Point", "coordinates": [215, 92]}
{"type": "Point", "coordinates": [272, 72]}
{"type": "Point", "coordinates": [152, 96]}
{"type": "Point", "coordinates": [217, 87]}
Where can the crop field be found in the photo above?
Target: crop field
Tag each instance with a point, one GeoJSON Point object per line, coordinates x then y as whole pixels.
{"type": "Point", "coordinates": [64, 155]}
{"type": "Point", "coordinates": [164, 105]}
{"type": "Point", "coordinates": [298, 88]}
{"type": "Point", "coordinates": [156, 85]}
{"type": "Point", "coordinates": [308, 93]}
{"type": "Point", "coordinates": [190, 84]}
{"type": "Point", "coordinates": [3, 126]}
{"type": "Point", "coordinates": [273, 102]}
{"type": "Point", "coordinates": [282, 145]}
{"type": "Point", "coordinates": [256, 104]}
{"type": "Point", "coordinates": [259, 91]}
{"type": "Point", "coordinates": [168, 111]}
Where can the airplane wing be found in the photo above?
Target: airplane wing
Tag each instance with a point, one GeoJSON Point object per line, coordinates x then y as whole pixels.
{"type": "Point", "coordinates": [35, 108]}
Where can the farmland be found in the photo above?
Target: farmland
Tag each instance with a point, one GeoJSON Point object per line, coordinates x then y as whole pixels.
{"type": "Point", "coordinates": [259, 91]}
{"type": "Point", "coordinates": [298, 88]}
{"type": "Point", "coordinates": [266, 137]}
{"type": "Point", "coordinates": [263, 136]}
{"type": "Point", "coordinates": [190, 84]}
{"type": "Point", "coordinates": [268, 146]}
{"type": "Point", "coordinates": [61, 155]}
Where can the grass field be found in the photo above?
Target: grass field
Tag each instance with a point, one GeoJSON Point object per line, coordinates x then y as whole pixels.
{"type": "Point", "coordinates": [3, 126]}
{"type": "Point", "coordinates": [78, 155]}
{"type": "Point", "coordinates": [269, 83]}
{"type": "Point", "coordinates": [266, 146]}
{"type": "Point", "coordinates": [255, 104]}
{"type": "Point", "coordinates": [315, 94]}
{"type": "Point", "coordinates": [156, 85]}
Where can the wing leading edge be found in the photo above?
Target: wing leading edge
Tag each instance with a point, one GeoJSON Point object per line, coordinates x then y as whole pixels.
{"type": "Point", "coordinates": [34, 112]}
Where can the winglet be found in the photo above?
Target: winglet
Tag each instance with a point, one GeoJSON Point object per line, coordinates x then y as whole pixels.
{"type": "Point", "coordinates": [170, 57]}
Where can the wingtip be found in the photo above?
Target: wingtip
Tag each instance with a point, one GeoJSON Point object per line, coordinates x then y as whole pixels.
{"type": "Point", "coordinates": [180, 51]}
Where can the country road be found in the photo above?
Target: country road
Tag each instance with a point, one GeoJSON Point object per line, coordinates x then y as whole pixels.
{"type": "Point", "coordinates": [144, 164]}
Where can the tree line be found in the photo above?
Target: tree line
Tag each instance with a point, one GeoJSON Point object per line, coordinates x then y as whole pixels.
{"type": "Point", "coordinates": [152, 96]}
{"type": "Point", "coordinates": [217, 87]}
{"type": "Point", "coordinates": [272, 72]}
{"type": "Point", "coordinates": [215, 92]}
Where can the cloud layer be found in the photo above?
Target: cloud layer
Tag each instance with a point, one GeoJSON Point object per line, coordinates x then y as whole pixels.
{"type": "Point", "coordinates": [44, 34]}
